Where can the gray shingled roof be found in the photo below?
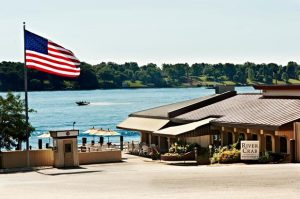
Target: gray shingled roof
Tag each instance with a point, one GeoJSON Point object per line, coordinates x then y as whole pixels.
{"type": "Point", "coordinates": [162, 111]}
{"type": "Point", "coordinates": [247, 109]}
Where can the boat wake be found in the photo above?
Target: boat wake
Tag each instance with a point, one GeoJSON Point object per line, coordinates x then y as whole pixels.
{"type": "Point", "coordinates": [106, 103]}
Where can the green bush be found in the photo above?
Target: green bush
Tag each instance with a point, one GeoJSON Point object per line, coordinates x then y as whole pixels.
{"type": "Point", "coordinates": [178, 148]}
{"type": "Point", "coordinates": [214, 159]}
{"type": "Point", "coordinates": [271, 157]}
{"type": "Point", "coordinates": [264, 158]}
{"type": "Point", "coordinates": [230, 156]}
{"type": "Point", "coordinates": [181, 148]}
{"type": "Point", "coordinates": [192, 146]}
{"type": "Point", "coordinates": [226, 155]}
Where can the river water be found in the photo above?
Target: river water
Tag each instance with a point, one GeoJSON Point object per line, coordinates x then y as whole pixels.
{"type": "Point", "coordinates": [57, 110]}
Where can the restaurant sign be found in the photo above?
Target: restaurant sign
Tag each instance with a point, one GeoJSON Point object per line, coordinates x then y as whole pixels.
{"type": "Point", "coordinates": [249, 150]}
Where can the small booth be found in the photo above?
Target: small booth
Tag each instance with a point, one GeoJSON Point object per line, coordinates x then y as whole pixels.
{"type": "Point", "coordinates": [65, 148]}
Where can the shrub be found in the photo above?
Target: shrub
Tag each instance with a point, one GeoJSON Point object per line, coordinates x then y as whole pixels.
{"type": "Point", "coordinates": [192, 146]}
{"type": "Point", "coordinates": [230, 156]}
{"type": "Point", "coordinates": [181, 148]}
{"type": "Point", "coordinates": [214, 159]}
{"type": "Point", "coordinates": [226, 155]}
{"type": "Point", "coordinates": [277, 157]}
{"type": "Point", "coordinates": [178, 148]}
{"type": "Point", "coordinates": [264, 158]}
{"type": "Point", "coordinates": [271, 157]}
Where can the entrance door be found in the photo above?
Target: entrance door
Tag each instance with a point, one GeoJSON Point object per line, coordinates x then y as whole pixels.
{"type": "Point", "coordinates": [68, 153]}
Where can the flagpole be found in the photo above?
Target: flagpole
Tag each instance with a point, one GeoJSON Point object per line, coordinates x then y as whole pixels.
{"type": "Point", "coordinates": [26, 98]}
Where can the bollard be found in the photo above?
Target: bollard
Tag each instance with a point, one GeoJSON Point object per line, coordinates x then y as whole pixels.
{"type": "Point", "coordinates": [101, 140]}
{"type": "Point", "coordinates": [121, 142]}
{"type": "Point", "coordinates": [196, 154]}
{"type": "Point", "coordinates": [83, 141]}
{"type": "Point", "coordinates": [40, 143]}
{"type": "Point", "coordinates": [293, 150]}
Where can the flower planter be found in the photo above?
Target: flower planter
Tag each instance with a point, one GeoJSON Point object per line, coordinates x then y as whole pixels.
{"type": "Point", "coordinates": [178, 157]}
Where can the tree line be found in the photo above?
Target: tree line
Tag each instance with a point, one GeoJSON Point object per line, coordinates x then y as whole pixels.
{"type": "Point", "coordinates": [130, 74]}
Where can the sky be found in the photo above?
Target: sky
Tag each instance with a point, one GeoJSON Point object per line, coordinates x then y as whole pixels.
{"type": "Point", "coordinates": [158, 31]}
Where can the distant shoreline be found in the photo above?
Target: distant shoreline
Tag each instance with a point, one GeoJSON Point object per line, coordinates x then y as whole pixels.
{"type": "Point", "coordinates": [132, 76]}
{"type": "Point", "coordinates": [131, 88]}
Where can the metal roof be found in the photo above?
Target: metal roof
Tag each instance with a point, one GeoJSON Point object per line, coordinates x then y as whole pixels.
{"type": "Point", "coordinates": [175, 109]}
{"type": "Point", "coordinates": [247, 109]}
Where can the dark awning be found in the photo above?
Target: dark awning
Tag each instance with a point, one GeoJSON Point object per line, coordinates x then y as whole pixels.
{"type": "Point", "coordinates": [190, 129]}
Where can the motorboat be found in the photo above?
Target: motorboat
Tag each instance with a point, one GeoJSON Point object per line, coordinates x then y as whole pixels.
{"type": "Point", "coordinates": [82, 103]}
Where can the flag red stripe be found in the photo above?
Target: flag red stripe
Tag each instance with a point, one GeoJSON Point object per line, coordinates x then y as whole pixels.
{"type": "Point", "coordinates": [50, 60]}
{"type": "Point", "coordinates": [64, 58]}
{"type": "Point", "coordinates": [50, 72]}
{"type": "Point", "coordinates": [60, 51]}
{"type": "Point", "coordinates": [51, 66]}
{"type": "Point", "coordinates": [54, 44]}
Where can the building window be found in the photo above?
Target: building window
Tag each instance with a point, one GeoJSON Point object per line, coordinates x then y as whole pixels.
{"type": "Point", "coordinates": [254, 137]}
{"type": "Point", "coordinates": [268, 143]}
{"type": "Point", "coordinates": [229, 138]}
{"type": "Point", "coordinates": [283, 145]}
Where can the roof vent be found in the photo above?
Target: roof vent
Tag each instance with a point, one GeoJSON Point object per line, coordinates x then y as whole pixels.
{"type": "Point", "coordinates": [223, 89]}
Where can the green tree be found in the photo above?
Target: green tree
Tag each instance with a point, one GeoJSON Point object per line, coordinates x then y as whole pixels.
{"type": "Point", "coordinates": [229, 70]}
{"type": "Point", "coordinates": [251, 75]}
{"type": "Point", "coordinates": [291, 70]}
{"type": "Point", "coordinates": [275, 69]}
{"type": "Point", "coordinates": [87, 78]}
{"type": "Point", "coordinates": [12, 121]}
{"type": "Point", "coordinates": [197, 69]}
{"type": "Point", "coordinates": [285, 77]}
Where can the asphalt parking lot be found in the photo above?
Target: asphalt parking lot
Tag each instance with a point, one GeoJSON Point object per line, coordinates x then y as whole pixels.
{"type": "Point", "coordinates": [138, 177]}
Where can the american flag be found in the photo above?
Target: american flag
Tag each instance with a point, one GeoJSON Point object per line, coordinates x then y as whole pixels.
{"type": "Point", "coordinates": [47, 56]}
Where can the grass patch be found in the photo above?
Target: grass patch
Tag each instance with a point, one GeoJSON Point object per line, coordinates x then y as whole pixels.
{"type": "Point", "coordinates": [229, 83]}
{"type": "Point", "coordinates": [279, 82]}
{"type": "Point", "coordinates": [294, 81]}
{"type": "Point", "coordinates": [135, 84]}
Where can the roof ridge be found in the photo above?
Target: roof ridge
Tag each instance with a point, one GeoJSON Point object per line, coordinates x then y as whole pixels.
{"type": "Point", "coordinates": [207, 96]}
{"type": "Point", "coordinates": [201, 104]}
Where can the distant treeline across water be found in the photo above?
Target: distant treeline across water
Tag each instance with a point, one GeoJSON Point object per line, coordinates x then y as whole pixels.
{"type": "Point", "coordinates": [131, 75]}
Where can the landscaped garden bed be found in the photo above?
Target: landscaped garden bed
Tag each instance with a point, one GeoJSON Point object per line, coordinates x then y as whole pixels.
{"type": "Point", "coordinates": [181, 152]}
{"type": "Point", "coordinates": [178, 157]}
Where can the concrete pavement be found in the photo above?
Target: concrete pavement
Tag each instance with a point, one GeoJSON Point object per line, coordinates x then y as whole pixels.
{"type": "Point", "coordinates": [138, 177]}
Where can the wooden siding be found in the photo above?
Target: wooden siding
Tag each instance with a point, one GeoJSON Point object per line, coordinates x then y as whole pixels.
{"type": "Point", "coordinates": [203, 141]}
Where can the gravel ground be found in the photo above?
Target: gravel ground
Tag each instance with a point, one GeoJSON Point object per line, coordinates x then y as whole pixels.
{"type": "Point", "coordinates": [138, 177]}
